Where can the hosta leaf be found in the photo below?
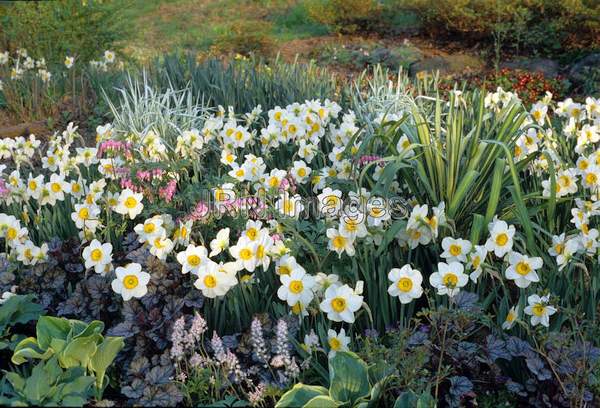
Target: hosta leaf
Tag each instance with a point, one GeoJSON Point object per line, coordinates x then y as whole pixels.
{"type": "Point", "coordinates": [376, 392]}
{"type": "Point", "coordinates": [15, 380]}
{"type": "Point", "coordinates": [18, 309]}
{"type": "Point", "coordinates": [426, 401]}
{"type": "Point", "coordinates": [104, 356]}
{"type": "Point", "coordinates": [57, 345]}
{"type": "Point", "coordinates": [80, 385]}
{"type": "Point", "coordinates": [73, 401]}
{"type": "Point", "coordinates": [322, 401]}
{"type": "Point", "coordinates": [95, 327]}
{"type": "Point", "coordinates": [38, 385]}
{"type": "Point", "coordinates": [379, 371]}
{"type": "Point", "coordinates": [48, 328]}
{"type": "Point", "coordinates": [77, 328]}
{"type": "Point", "coordinates": [300, 394]}
{"type": "Point", "coordinates": [71, 374]}
{"type": "Point", "coordinates": [410, 399]}
{"type": "Point", "coordinates": [53, 369]}
{"type": "Point", "coordinates": [79, 352]}
{"type": "Point", "coordinates": [407, 399]}
{"type": "Point", "coordinates": [28, 348]}
{"type": "Point", "coordinates": [348, 377]}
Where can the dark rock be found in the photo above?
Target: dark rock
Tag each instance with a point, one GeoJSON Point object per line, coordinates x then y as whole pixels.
{"type": "Point", "coordinates": [429, 65]}
{"type": "Point", "coordinates": [24, 129]}
{"type": "Point", "coordinates": [448, 65]}
{"type": "Point", "coordinates": [581, 70]}
{"type": "Point", "coordinates": [546, 66]}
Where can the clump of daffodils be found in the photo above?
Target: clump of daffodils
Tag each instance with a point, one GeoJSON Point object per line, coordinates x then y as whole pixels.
{"type": "Point", "coordinates": [268, 166]}
{"type": "Point", "coordinates": [423, 226]}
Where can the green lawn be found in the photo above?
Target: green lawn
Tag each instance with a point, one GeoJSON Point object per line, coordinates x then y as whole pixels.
{"type": "Point", "coordinates": [160, 25]}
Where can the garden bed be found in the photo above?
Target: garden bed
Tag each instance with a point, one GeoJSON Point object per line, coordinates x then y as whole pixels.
{"type": "Point", "coordinates": [374, 216]}
{"type": "Point", "coordinates": [250, 229]}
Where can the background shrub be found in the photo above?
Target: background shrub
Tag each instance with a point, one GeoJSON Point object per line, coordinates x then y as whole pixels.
{"type": "Point", "coordinates": [351, 16]}
{"type": "Point", "coordinates": [342, 15]}
{"type": "Point", "coordinates": [245, 37]}
{"type": "Point", "coordinates": [53, 29]}
{"type": "Point", "coordinates": [542, 26]}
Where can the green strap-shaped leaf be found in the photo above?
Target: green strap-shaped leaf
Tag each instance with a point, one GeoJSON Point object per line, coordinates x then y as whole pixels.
{"type": "Point", "coordinates": [498, 174]}
{"type": "Point", "coordinates": [476, 228]}
{"type": "Point", "coordinates": [460, 193]}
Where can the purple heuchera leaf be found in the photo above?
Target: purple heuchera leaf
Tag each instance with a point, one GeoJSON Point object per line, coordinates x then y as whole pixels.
{"type": "Point", "coordinates": [418, 338]}
{"type": "Point", "coordinates": [538, 368]}
{"type": "Point", "coordinates": [123, 329]}
{"type": "Point", "coordinates": [460, 386]}
{"type": "Point", "coordinates": [516, 388]}
{"type": "Point", "coordinates": [159, 375]}
{"type": "Point", "coordinates": [467, 301]}
{"type": "Point", "coordinates": [135, 390]}
{"type": "Point", "coordinates": [496, 348]}
{"type": "Point", "coordinates": [231, 341]}
{"type": "Point", "coordinates": [518, 348]}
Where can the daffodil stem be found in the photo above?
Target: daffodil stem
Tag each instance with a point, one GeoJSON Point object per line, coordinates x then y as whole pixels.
{"type": "Point", "coordinates": [402, 310]}
{"type": "Point", "coordinates": [368, 310]}
{"type": "Point", "coordinates": [439, 369]}
{"type": "Point", "coordinates": [310, 248]}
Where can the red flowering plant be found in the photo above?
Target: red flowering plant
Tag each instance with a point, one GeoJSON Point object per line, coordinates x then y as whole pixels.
{"type": "Point", "coordinates": [530, 86]}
